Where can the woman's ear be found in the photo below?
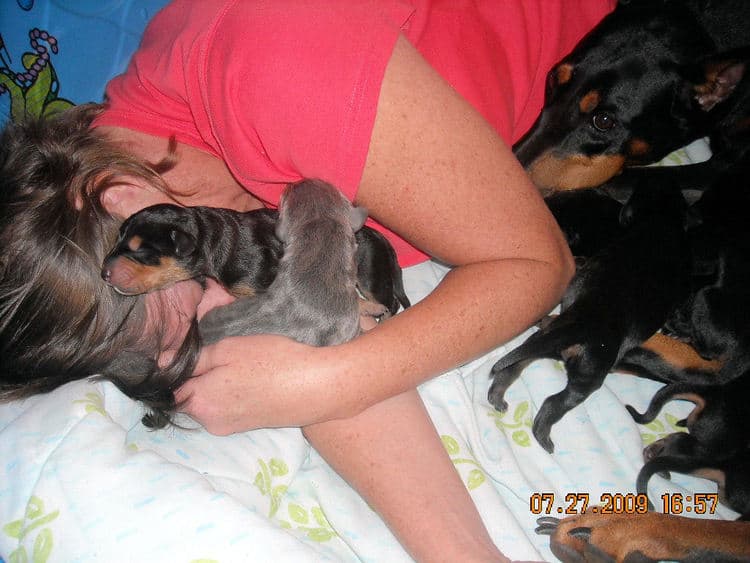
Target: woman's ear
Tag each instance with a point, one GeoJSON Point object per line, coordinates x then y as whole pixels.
{"type": "Point", "coordinates": [112, 199]}
{"type": "Point", "coordinates": [122, 200]}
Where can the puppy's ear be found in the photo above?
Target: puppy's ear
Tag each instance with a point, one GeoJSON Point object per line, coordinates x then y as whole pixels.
{"type": "Point", "coordinates": [357, 217]}
{"type": "Point", "coordinates": [722, 74]}
{"type": "Point", "coordinates": [280, 230]}
{"type": "Point", "coordinates": [184, 244]}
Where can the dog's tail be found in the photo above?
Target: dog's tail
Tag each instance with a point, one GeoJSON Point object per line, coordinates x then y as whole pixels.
{"type": "Point", "coordinates": [687, 391]}
{"type": "Point", "coordinates": [555, 341]}
{"type": "Point", "coordinates": [666, 463]}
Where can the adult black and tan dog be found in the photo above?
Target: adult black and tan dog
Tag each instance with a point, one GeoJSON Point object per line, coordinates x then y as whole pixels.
{"type": "Point", "coordinates": [651, 77]}
{"type": "Point", "coordinates": [717, 444]}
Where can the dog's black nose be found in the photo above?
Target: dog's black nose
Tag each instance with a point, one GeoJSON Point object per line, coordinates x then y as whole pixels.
{"type": "Point", "coordinates": [106, 274]}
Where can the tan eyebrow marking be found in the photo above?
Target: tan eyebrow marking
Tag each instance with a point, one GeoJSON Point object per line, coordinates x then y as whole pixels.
{"type": "Point", "coordinates": [589, 102]}
{"type": "Point", "coordinates": [564, 73]}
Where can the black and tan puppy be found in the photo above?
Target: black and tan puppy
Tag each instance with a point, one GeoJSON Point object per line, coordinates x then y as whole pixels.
{"type": "Point", "coordinates": [714, 319]}
{"type": "Point", "coordinates": [651, 77]}
{"type": "Point", "coordinates": [380, 277]}
{"type": "Point", "coordinates": [681, 453]}
{"type": "Point", "coordinates": [164, 244]}
{"type": "Point", "coordinates": [314, 297]}
{"type": "Point", "coordinates": [717, 445]}
{"type": "Point", "coordinates": [589, 219]}
{"type": "Point", "coordinates": [618, 298]}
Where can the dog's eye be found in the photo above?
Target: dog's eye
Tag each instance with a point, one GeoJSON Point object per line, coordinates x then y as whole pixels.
{"type": "Point", "coordinates": [603, 121]}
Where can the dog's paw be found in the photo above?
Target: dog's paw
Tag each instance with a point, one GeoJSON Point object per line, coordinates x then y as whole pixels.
{"type": "Point", "coordinates": [496, 397]}
{"type": "Point", "coordinates": [542, 434]}
{"type": "Point", "coordinates": [577, 538]}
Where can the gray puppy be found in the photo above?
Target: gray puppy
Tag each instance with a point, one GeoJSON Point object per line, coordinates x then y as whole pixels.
{"type": "Point", "coordinates": [314, 298]}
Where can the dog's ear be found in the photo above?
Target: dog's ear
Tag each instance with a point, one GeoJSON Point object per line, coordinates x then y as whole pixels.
{"type": "Point", "coordinates": [722, 74]}
{"type": "Point", "coordinates": [357, 217]}
{"type": "Point", "coordinates": [280, 230]}
{"type": "Point", "coordinates": [184, 244]}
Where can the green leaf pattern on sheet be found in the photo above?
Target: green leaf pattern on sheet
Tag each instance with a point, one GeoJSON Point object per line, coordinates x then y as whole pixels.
{"type": "Point", "coordinates": [475, 476]}
{"type": "Point", "coordinates": [312, 522]}
{"type": "Point", "coordinates": [657, 429]}
{"type": "Point", "coordinates": [264, 481]}
{"type": "Point", "coordinates": [94, 403]}
{"type": "Point", "coordinates": [34, 521]}
{"type": "Point", "coordinates": [676, 158]}
{"type": "Point", "coordinates": [517, 424]}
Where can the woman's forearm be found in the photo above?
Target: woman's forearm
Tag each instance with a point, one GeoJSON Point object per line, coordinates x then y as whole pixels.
{"type": "Point", "coordinates": [473, 310]}
{"type": "Point", "coordinates": [453, 188]}
{"type": "Point", "coordinates": [434, 519]}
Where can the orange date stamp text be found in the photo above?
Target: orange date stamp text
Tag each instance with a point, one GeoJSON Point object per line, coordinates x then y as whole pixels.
{"type": "Point", "coordinates": [620, 503]}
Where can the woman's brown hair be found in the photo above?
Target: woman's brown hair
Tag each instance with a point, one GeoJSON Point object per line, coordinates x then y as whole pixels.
{"type": "Point", "coordinates": [58, 321]}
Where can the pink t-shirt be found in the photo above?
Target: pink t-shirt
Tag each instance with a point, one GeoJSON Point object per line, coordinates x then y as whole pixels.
{"type": "Point", "coordinates": [287, 89]}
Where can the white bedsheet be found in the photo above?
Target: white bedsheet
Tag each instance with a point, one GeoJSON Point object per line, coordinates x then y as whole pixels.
{"type": "Point", "coordinates": [81, 480]}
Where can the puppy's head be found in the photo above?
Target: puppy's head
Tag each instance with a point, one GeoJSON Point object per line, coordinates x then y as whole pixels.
{"type": "Point", "coordinates": [310, 200]}
{"type": "Point", "coordinates": [636, 88]}
{"type": "Point", "coordinates": [154, 250]}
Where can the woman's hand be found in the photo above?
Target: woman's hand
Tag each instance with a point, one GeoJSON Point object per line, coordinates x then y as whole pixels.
{"type": "Point", "coordinates": [249, 382]}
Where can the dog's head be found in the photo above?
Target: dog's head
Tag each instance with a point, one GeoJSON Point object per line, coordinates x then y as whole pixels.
{"type": "Point", "coordinates": [154, 250]}
{"type": "Point", "coordinates": [639, 86]}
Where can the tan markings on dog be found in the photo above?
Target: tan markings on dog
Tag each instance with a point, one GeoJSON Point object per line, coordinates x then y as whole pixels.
{"type": "Point", "coordinates": [564, 73]}
{"type": "Point", "coordinates": [638, 147]}
{"type": "Point", "coordinates": [657, 536]}
{"type": "Point", "coordinates": [571, 352]}
{"type": "Point", "coordinates": [133, 278]}
{"type": "Point", "coordinates": [554, 174]}
{"type": "Point", "coordinates": [679, 354]}
{"type": "Point", "coordinates": [715, 475]}
{"type": "Point", "coordinates": [700, 404]}
{"type": "Point", "coordinates": [589, 102]}
{"type": "Point", "coordinates": [241, 290]}
{"type": "Point", "coordinates": [135, 242]}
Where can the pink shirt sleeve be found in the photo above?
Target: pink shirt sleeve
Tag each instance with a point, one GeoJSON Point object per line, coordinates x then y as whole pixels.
{"type": "Point", "coordinates": [293, 94]}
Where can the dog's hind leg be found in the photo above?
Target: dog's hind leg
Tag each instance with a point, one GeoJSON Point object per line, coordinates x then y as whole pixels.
{"type": "Point", "coordinates": [584, 377]}
{"type": "Point", "coordinates": [545, 343]}
{"type": "Point", "coordinates": [552, 410]}
{"type": "Point", "coordinates": [502, 379]}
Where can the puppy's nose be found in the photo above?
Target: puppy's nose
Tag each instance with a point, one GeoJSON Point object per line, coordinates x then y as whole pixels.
{"type": "Point", "coordinates": [106, 274]}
